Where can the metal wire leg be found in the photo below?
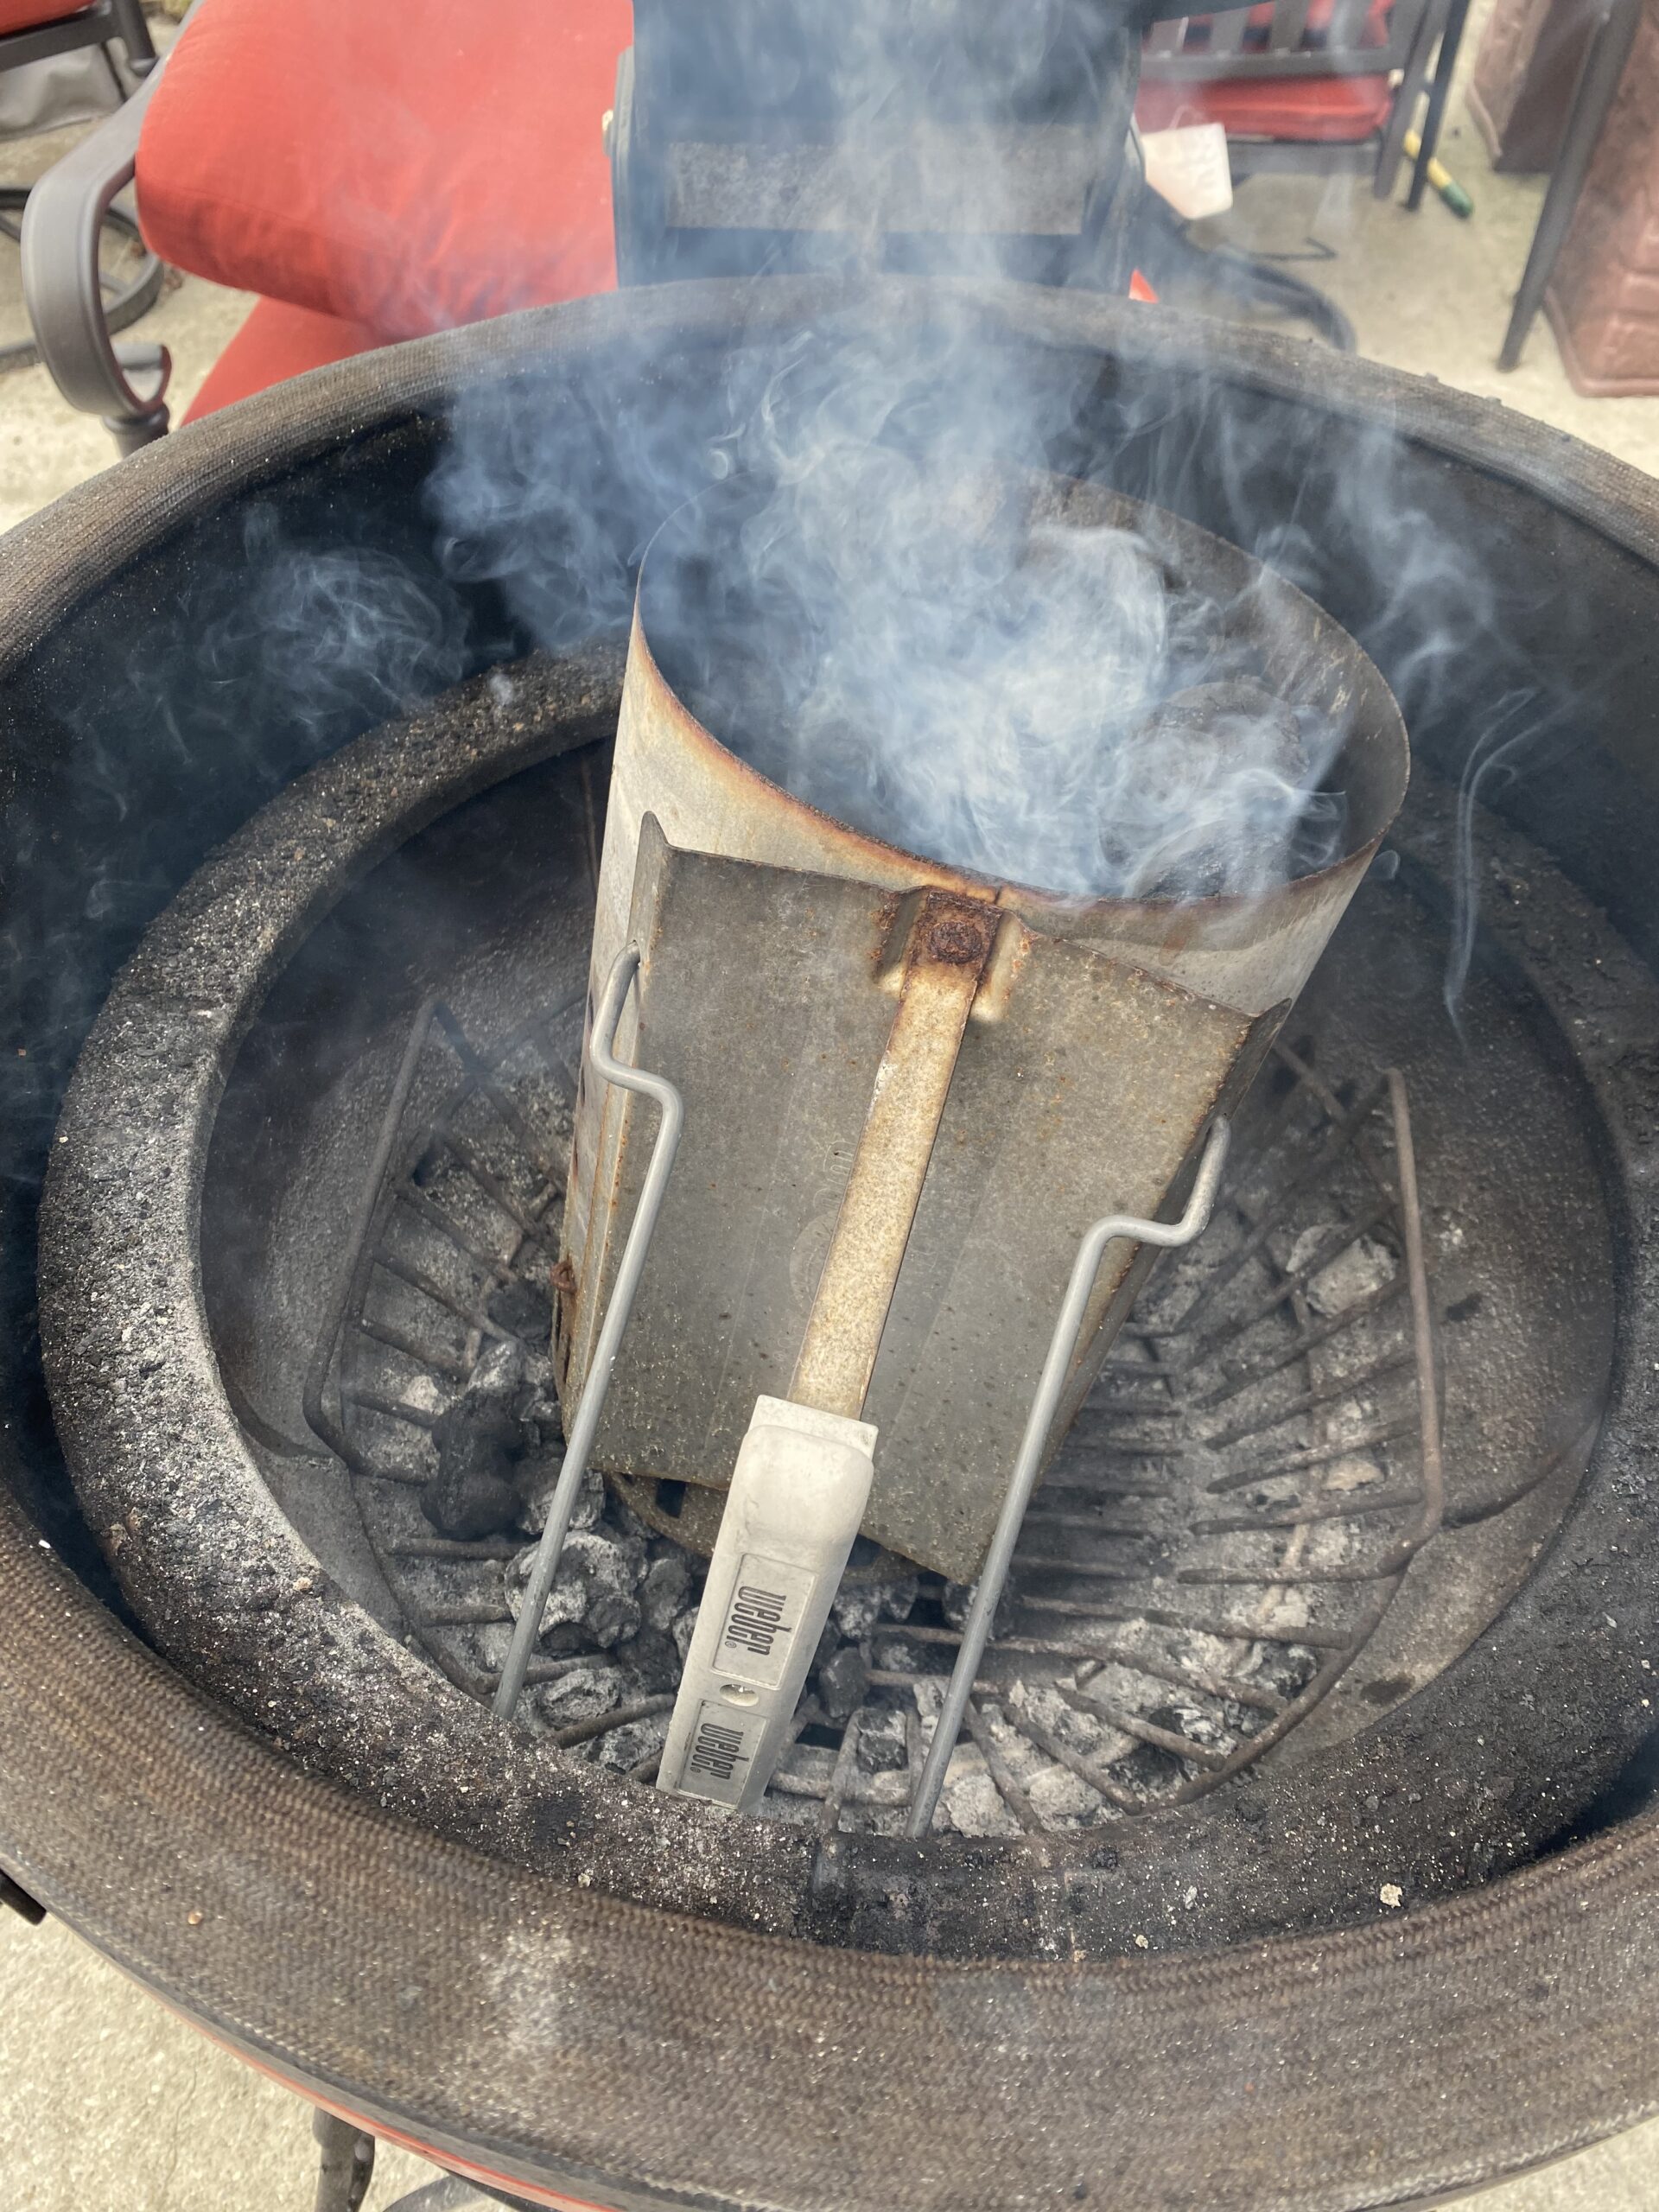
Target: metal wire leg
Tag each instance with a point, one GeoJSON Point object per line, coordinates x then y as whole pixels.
{"type": "Point", "coordinates": [586, 1424]}
{"type": "Point", "coordinates": [449, 2193]}
{"type": "Point", "coordinates": [1404, 110]}
{"type": "Point", "coordinates": [1056, 1366]}
{"type": "Point", "coordinates": [1451, 40]}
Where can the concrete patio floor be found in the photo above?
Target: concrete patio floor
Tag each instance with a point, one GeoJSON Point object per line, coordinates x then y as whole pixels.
{"type": "Point", "coordinates": [107, 2103]}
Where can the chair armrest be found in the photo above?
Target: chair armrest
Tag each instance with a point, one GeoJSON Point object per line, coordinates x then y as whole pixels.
{"type": "Point", "coordinates": [61, 223]}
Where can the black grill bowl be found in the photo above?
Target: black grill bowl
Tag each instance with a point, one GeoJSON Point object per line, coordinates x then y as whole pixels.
{"type": "Point", "coordinates": [499, 2004]}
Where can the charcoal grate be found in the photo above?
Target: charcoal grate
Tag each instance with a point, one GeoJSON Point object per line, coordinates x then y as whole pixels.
{"type": "Point", "coordinates": [1217, 1541]}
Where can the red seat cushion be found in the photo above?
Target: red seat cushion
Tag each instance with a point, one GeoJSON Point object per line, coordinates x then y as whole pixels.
{"type": "Point", "coordinates": [276, 342]}
{"type": "Point", "coordinates": [401, 164]}
{"type": "Point", "coordinates": [28, 14]}
{"type": "Point", "coordinates": [1307, 109]}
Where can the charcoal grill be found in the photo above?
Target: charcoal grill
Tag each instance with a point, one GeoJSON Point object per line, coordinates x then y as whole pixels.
{"type": "Point", "coordinates": [456, 1223]}
{"type": "Point", "coordinates": [298, 1192]}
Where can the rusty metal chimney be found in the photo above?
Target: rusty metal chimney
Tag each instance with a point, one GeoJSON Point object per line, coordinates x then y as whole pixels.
{"type": "Point", "coordinates": [1098, 1042]}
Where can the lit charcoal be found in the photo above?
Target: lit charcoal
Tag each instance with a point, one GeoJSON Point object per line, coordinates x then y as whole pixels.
{"type": "Point", "coordinates": [685, 1628]}
{"type": "Point", "coordinates": [539, 1486]}
{"type": "Point", "coordinates": [1285, 1669]}
{"type": "Point", "coordinates": [972, 1803]}
{"type": "Point", "coordinates": [882, 1741]}
{"type": "Point", "coordinates": [843, 1682]}
{"type": "Point", "coordinates": [596, 1585]}
{"type": "Point", "coordinates": [481, 1441]}
{"type": "Point", "coordinates": [651, 1660]}
{"type": "Point", "coordinates": [1060, 1798]}
{"type": "Point", "coordinates": [523, 1307]}
{"type": "Point", "coordinates": [856, 1610]}
{"type": "Point", "coordinates": [581, 1693]}
{"type": "Point", "coordinates": [1362, 1271]}
{"type": "Point", "coordinates": [955, 1598]}
{"type": "Point", "coordinates": [667, 1585]}
{"type": "Point", "coordinates": [620, 1749]}
{"type": "Point", "coordinates": [899, 1598]}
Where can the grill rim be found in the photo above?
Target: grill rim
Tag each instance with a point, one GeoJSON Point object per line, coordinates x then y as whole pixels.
{"type": "Point", "coordinates": [1596, 1903]}
{"type": "Point", "coordinates": [122, 1209]}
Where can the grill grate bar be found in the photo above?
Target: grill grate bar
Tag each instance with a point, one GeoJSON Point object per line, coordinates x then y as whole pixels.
{"type": "Point", "coordinates": [459, 1548]}
{"type": "Point", "coordinates": [1348, 1507]}
{"type": "Point", "coordinates": [1317, 1455]}
{"type": "Point", "coordinates": [434, 1362]}
{"type": "Point", "coordinates": [417, 1279]}
{"type": "Point", "coordinates": [1306, 1340]}
{"type": "Point", "coordinates": [619, 1716]}
{"type": "Point", "coordinates": [493, 1189]}
{"type": "Point", "coordinates": [377, 1401]}
{"type": "Point", "coordinates": [1056, 1748]}
{"type": "Point", "coordinates": [1225, 1631]}
{"type": "Point", "coordinates": [1342, 1388]}
{"type": "Point", "coordinates": [1123, 1490]}
{"type": "Point", "coordinates": [484, 1081]}
{"type": "Point", "coordinates": [439, 1218]}
{"type": "Point", "coordinates": [1328, 1156]}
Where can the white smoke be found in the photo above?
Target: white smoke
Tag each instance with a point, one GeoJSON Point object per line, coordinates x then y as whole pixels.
{"type": "Point", "coordinates": [928, 644]}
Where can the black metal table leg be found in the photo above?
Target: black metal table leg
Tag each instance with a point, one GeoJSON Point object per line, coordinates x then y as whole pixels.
{"type": "Point", "coordinates": [346, 2166]}
{"type": "Point", "coordinates": [1599, 81]}
{"type": "Point", "coordinates": [26, 1907]}
{"type": "Point", "coordinates": [1439, 92]}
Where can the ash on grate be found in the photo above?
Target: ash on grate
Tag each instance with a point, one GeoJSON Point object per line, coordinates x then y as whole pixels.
{"type": "Point", "coordinates": [1215, 1539]}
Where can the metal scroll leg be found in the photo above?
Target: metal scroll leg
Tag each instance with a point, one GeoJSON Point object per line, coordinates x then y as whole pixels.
{"type": "Point", "coordinates": [586, 1425]}
{"type": "Point", "coordinates": [1056, 1366]}
{"type": "Point", "coordinates": [451, 2194]}
{"type": "Point", "coordinates": [1599, 81]}
{"type": "Point", "coordinates": [26, 1908]}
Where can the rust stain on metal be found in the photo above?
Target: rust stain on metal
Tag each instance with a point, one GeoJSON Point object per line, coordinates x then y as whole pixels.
{"type": "Point", "coordinates": [1246, 952]}
{"type": "Point", "coordinates": [959, 934]}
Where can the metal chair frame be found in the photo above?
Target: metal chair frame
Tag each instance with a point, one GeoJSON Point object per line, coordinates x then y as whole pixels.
{"type": "Point", "coordinates": [87, 26]}
{"type": "Point", "coordinates": [63, 220]}
{"type": "Point", "coordinates": [1415, 28]}
{"type": "Point", "coordinates": [1600, 74]}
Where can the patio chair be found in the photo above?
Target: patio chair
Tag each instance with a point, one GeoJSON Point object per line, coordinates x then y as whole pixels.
{"type": "Point", "coordinates": [37, 31]}
{"type": "Point", "coordinates": [32, 30]}
{"type": "Point", "coordinates": [372, 171]}
{"type": "Point", "coordinates": [1307, 84]}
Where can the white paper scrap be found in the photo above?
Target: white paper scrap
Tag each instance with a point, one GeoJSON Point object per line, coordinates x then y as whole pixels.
{"type": "Point", "coordinates": [1188, 167]}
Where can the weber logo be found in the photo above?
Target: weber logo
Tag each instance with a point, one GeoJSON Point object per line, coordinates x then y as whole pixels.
{"type": "Point", "coordinates": [720, 1755]}
{"type": "Point", "coordinates": [762, 1614]}
{"type": "Point", "coordinates": [717, 1750]}
{"type": "Point", "coordinates": [756, 1620]}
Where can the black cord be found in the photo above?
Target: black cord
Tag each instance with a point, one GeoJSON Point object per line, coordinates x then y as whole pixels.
{"type": "Point", "coordinates": [1169, 256]}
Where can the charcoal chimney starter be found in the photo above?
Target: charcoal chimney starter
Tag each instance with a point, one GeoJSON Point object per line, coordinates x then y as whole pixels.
{"type": "Point", "coordinates": [1106, 1034]}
